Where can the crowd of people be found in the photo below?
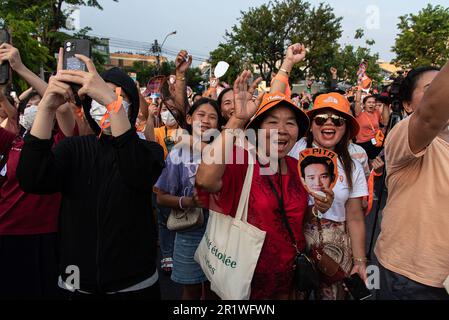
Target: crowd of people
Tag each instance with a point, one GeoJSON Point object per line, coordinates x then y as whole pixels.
{"type": "Point", "coordinates": [93, 186]}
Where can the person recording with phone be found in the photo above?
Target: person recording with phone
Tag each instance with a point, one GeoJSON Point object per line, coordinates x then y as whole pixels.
{"type": "Point", "coordinates": [94, 173]}
{"type": "Point", "coordinates": [413, 245]}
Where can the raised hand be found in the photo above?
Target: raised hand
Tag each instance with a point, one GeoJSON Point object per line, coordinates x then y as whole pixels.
{"type": "Point", "coordinates": [57, 94]}
{"type": "Point", "coordinates": [213, 82]}
{"type": "Point", "coordinates": [333, 71]}
{"type": "Point", "coordinates": [183, 61]}
{"type": "Point", "coordinates": [295, 53]}
{"type": "Point", "coordinates": [12, 55]}
{"type": "Point", "coordinates": [244, 105]}
{"type": "Point", "coordinates": [91, 83]}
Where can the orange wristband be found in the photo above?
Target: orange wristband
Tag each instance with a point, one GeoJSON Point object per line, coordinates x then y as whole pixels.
{"type": "Point", "coordinates": [284, 80]}
{"type": "Point", "coordinates": [281, 78]}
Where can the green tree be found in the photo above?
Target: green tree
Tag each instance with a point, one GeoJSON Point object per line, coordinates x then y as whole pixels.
{"type": "Point", "coordinates": [194, 77]}
{"type": "Point", "coordinates": [147, 71]}
{"type": "Point", "coordinates": [33, 54]}
{"type": "Point", "coordinates": [348, 59]}
{"type": "Point", "coordinates": [319, 32]}
{"type": "Point", "coordinates": [264, 33]}
{"type": "Point", "coordinates": [234, 57]}
{"type": "Point", "coordinates": [30, 20]}
{"type": "Point", "coordinates": [423, 38]}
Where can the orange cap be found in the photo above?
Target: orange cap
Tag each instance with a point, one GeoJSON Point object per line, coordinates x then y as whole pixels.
{"type": "Point", "coordinates": [339, 103]}
{"type": "Point", "coordinates": [270, 100]}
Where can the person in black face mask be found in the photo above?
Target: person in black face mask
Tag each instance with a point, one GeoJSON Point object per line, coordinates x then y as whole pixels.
{"type": "Point", "coordinates": [107, 233]}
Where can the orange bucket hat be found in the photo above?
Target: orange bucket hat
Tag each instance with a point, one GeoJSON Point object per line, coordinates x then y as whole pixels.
{"type": "Point", "coordinates": [339, 103]}
{"type": "Point", "coordinates": [271, 100]}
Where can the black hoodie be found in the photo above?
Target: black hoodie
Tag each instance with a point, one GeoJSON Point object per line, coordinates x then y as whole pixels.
{"type": "Point", "coordinates": [106, 226]}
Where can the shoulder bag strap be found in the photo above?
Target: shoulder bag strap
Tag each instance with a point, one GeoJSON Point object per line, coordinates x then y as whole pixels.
{"type": "Point", "coordinates": [283, 214]}
{"type": "Point", "coordinates": [370, 123]}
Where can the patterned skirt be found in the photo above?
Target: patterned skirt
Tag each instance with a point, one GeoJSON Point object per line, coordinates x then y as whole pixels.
{"type": "Point", "coordinates": [337, 245]}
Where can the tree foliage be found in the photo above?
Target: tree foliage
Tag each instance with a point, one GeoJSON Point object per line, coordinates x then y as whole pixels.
{"type": "Point", "coordinates": [423, 37]}
{"type": "Point", "coordinates": [37, 28]}
{"type": "Point", "coordinates": [233, 56]}
{"type": "Point", "coordinates": [348, 59]}
{"type": "Point", "coordinates": [263, 34]}
{"type": "Point", "coordinates": [147, 71]}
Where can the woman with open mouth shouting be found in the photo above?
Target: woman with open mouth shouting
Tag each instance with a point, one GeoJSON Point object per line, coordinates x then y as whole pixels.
{"type": "Point", "coordinates": [275, 190]}
{"type": "Point", "coordinates": [343, 225]}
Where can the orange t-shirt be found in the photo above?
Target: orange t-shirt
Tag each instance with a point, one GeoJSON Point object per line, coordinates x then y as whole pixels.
{"type": "Point", "coordinates": [414, 240]}
{"type": "Point", "coordinates": [369, 125]}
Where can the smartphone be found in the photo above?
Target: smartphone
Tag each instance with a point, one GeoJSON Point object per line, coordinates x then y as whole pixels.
{"type": "Point", "coordinates": [4, 67]}
{"type": "Point", "coordinates": [357, 287]}
{"type": "Point", "coordinates": [72, 47]}
{"type": "Point", "coordinates": [70, 62]}
{"type": "Point", "coordinates": [154, 97]}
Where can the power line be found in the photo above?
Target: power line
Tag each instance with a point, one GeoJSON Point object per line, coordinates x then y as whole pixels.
{"type": "Point", "coordinates": [146, 47]}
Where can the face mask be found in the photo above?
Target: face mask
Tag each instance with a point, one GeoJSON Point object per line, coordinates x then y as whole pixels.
{"type": "Point", "coordinates": [97, 112]}
{"type": "Point", "coordinates": [27, 118]}
{"type": "Point", "coordinates": [167, 118]}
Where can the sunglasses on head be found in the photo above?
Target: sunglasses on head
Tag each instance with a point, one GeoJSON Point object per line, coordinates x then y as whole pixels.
{"type": "Point", "coordinates": [321, 119]}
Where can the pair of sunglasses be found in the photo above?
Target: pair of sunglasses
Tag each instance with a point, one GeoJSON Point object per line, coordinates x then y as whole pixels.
{"type": "Point", "coordinates": [321, 119]}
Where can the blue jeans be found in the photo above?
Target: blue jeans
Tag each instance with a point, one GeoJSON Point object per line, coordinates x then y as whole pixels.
{"type": "Point", "coordinates": [394, 286]}
{"type": "Point", "coordinates": [166, 237]}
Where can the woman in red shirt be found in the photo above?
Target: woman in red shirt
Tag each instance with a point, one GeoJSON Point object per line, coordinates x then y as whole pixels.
{"type": "Point", "coordinates": [28, 222]}
{"type": "Point", "coordinates": [273, 276]}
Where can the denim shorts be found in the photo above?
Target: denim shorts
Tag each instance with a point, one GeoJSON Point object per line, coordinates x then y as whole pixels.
{"type": "Point", "coordinates": [185, 269]}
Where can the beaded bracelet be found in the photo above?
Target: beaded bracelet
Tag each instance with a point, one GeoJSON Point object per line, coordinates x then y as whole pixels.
{"type": "Point", "coordinates": [180, 202]}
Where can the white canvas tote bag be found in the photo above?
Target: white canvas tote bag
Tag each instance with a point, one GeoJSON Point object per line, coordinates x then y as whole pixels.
{"type": "Point", "coordinates": [230, 249]}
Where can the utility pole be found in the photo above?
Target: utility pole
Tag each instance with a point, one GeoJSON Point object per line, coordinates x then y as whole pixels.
{"type": "Point", "coordinates": [156, 49]}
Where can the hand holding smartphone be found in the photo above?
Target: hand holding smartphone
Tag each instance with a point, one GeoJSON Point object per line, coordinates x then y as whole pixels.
{"type": "Point", "coordinates": [4, 67]}
{"type": "Point", "coordinates": [72, 47]}
{"type": "Point", "coordinates": [357, 288]}
{"type": "Point", "coordinates": [70, 62]}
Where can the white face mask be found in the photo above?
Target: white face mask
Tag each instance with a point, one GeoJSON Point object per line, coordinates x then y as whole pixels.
{"type": "Point", "coordinates": [97, 112]}
{"type": "Point", "coordinates": [27, 118]}
{"type": "Point", "coordinates": [167, 118]}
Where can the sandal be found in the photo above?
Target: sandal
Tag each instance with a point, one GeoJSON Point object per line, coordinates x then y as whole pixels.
{"type": "Point", "coordinates": [167, 265]}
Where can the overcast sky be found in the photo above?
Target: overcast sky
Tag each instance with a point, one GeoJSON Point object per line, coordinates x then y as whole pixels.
{"type": "Point", "coordinates": [201, 24]}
